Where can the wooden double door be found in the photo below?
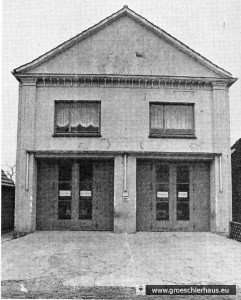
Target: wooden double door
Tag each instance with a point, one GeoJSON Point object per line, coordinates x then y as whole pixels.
{"type": "Point", "coordinates": [75, 194]}
{"type": "Point", "coordinates": [173, 196]}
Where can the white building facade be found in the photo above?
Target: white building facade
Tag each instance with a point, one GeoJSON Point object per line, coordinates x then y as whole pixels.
{"type": "Point", "coordinates": [123, 128]}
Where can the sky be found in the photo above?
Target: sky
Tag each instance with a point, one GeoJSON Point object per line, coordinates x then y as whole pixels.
{"type": "Point", "coordinates": [30, 28]}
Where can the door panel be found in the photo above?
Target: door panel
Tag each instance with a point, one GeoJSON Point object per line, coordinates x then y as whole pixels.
{"type": "Point", "coordinates": [183, 199]}
{"type": "Point", "coordinates": [47, 195]}
{"type": "Point", "coordinates": [85, 196]}
{"type": "Point", "coordinates": [103, 194]}
{"type": "Point", "coordinates": [201, 195]}
{"type": "Point", "coordinates": [144, 196]}
{"type": "Point", "coordinates": [162, 212]}
{"type": "Point", "coordinates": [75, 195]}
{"type": "Point", "coordinates": [172, 196]}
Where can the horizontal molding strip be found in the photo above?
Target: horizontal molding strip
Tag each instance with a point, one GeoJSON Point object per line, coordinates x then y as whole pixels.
{"type": "Point", "coordinates": [123, 81]}
{"type": "Point", "coordinates": [138, 154]}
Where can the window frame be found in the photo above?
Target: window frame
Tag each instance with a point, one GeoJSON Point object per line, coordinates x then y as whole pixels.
{"type": "Point", "coordinates": [169, 133]}
{"type": "Point", "coordinates": [78, 134]}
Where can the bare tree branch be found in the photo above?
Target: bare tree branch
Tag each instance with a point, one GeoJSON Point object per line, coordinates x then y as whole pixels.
{"type": "Point", "coordinates": [10, 171]}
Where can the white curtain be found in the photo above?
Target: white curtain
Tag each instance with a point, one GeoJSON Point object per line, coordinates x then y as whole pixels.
{"type": "Point", "coordinates": [178, 117]}
{"type": "Point", "coordinates": [156, 116]}
{"type": "Point", "coordinates": [84, 114]}
{"type": "Point", "coordinates": [62, 115]}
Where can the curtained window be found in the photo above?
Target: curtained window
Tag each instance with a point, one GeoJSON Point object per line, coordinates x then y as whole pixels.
{"type": "Point", "coordinates": [77, 117]}
{"type": "Point", "coordinates": [171, 119]}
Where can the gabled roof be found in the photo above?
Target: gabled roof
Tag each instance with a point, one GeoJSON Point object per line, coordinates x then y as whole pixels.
{"type": "Point", "coordinates": [5, 180]}
{"type": "Point", "coordinates": [124, 11]}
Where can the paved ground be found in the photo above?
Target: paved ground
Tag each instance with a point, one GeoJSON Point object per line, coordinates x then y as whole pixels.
{"type": "Point", "coordinates": [105, 265]}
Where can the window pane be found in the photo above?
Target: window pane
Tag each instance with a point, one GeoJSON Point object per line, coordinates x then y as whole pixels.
{"type": "Point", "coordinates": [162, 192]}
{"type": "Point", "coordinates": [85, 208]}
{"type": "Point", "coordinates": [65, 190]}
{"type": "Point", "coordinates": [62, 117]}
{"type": "Point", "coordinates": [183, 211]}
{"type": "Point", "coordinates": [65, 171]}
{"type": "Point", "coordinates": [86, 171]}
{"type": "Point", "coordinates": [162, 173]}
{"type": "Point", "coordinates": [85, 187]}
{"type": "Point", "coordinates": [179, 117]}
{"type": "Point", "coordinates": [162, 187]}
{"type": "Point", "coordinates": [156, 116]}
{"type": "Point", "coordinates": [64, 210]}
{"type": "Point", "coordinates": [182, 174]}
{"type": "Point", "coordinates": [168, 119]}
{"type": "Point", "coordinates": [85, 117]}
{"type": "Point", "coordinates": [162, 211]}
{"type": "Point", "coordinates": [64, 186]}
{"type": "Point", "coordinates": [183, 192]}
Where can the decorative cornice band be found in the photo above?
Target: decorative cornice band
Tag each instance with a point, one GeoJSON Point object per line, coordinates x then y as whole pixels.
{"type": "Point", "coordinates": [29, 81]}
{"type": "Point", "coordinates": [219, 85]}
{"type": "Point", "coordinates": [124, 81]}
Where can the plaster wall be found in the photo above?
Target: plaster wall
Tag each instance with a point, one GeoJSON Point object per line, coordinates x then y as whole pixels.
{"type": "Point", "coordinates": [124, 120]}
{"type": "Point", "coordinates": [221, 144]}
{"type": "Point", "coordinates": [125, 209]}
{"type": "Point", "coordinates": [112, 50]}
{"type": "Point", "coordinates": [124, 127]}
{"type": "Point", "coordinates": [26, 173]}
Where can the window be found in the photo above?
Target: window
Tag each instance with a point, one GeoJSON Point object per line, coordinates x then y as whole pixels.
{"type": "Point", "coordinates": [77, 118]}
{"type": "Point", "coordinates": [183, 198]}
{"type": "Point", "coordinates": [168, 120]}
{"type": "Point", "coordinates": [162, 192]}
{"type": "Point", "coordinates": [65, 190]}
{"type": "Point", "coordinates": [85, 187]}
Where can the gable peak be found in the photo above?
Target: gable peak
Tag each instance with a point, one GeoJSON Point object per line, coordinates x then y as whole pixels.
{"type": "Point", "coordinates": [106, 22]}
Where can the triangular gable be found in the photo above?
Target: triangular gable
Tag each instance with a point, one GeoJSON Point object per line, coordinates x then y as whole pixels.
{"type": "Point", "coordinates": [170, 57]}
{"type": "Point", "coordinates": [5, 180]}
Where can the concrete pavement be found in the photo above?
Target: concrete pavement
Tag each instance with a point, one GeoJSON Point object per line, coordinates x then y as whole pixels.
{"type": "Point", "coordinates": [103, 259]}
{"type": "Point", "coordinates": [106, 259]}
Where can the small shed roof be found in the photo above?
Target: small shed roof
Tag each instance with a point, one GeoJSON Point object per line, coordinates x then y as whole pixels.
{"type": "Point", "coordinates": [5, 180]}
{"type": "Point", "coordinates": [237, 145]}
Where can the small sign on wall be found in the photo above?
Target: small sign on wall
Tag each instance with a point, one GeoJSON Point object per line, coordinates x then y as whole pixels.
{"type": "Point", "coordinates": [182, 194]}
{"type": "Point", "coordinates": [85, 193]}
{"type": "Point", "coordinates": [64, 193]}
{"type": "Point", "coordinates": [162, 194]}
{"type": "Point", "coordinates": [125, 196]}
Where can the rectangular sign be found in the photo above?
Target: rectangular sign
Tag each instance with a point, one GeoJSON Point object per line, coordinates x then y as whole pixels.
{"type": "Point", "coordinates": [65, 193]}
{"type": "Point", "coordinates": [85, 193]}
{"type": "Point", "coordinates": [162, 194]}
{"type": "Point", "coordinates": [182, 194]}
{"type": "Point", "coordinates": [188, 290]}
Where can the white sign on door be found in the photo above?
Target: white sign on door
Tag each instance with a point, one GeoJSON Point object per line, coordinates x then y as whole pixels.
{"type": "Point", "coordinates": [85, 193]}
{"type": "Point", "coordinates": [162, 194]}
{"type": "Point", "coordinates": [64, 193]}
{"type": "Point", "coordinates": [182, 194]}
